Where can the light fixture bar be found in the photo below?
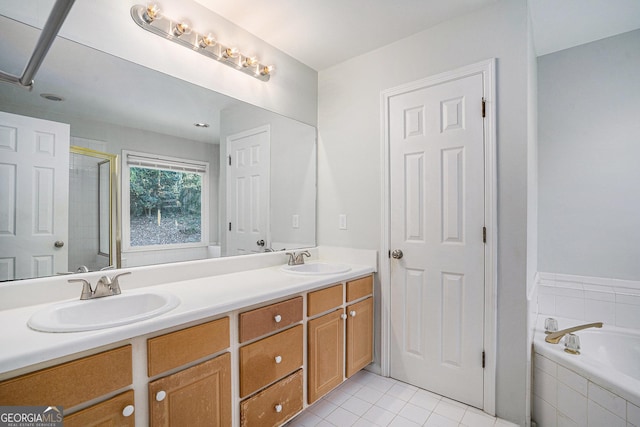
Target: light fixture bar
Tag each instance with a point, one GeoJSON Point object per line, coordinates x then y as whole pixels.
{"type": "Point", "coordinates": [150, 19]}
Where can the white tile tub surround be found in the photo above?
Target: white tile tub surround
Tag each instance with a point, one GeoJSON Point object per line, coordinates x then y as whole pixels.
{"type": "Point", "coordinates": [611, 301]}
{"type": "Point", "coordinates": [564, 397]}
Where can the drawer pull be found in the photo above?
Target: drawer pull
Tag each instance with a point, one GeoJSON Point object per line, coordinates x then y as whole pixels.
{"type": "Point", "coordinates": [352, 313]}
{"type": "Point", "coordinates": [277, 318]}
{"type": "Point", "coordinates": [278, 359]}
{"type": "Point", "coordinates": [127, 411]}
{"type": "Point", "coordinates": [278, 408]}
{"type": "Point", "coordinates": [161, 395]}
{"type": "Point", "coordinates": [343, 316]}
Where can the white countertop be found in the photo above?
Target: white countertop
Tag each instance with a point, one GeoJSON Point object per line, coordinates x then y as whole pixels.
{"type": "Point", "coordinates": [200, 298]}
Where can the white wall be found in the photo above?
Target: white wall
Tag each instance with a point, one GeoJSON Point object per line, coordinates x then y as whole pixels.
{"type": "Point", "coordinates": [350, 149]}
{"type": "Point", "coordinates": [106, 25]}
{"type": "Point", "coordinates": [589, 117]}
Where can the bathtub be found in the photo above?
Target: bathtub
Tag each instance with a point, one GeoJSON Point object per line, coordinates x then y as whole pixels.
{"type": "Point", "coordinates": [600, 386]}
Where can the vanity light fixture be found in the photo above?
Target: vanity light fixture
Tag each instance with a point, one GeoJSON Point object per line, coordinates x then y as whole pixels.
{"type": "Point", "coordinates": [149, 18]}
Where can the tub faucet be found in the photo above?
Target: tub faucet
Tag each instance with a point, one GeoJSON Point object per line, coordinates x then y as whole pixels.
{"type": "Point", "coordinates": [555, 337]}
{"type": "Point", "coordinates": [297, 259]}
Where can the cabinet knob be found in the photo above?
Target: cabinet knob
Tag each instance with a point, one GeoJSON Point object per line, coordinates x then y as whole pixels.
{"type": "Point", "coordinates": [161, 395]}
{"type": "Point", "coordinates": [352, 313]}
{"type": "Point", "coordinates": [128, 410]}
{"type": "Point", "coordinates": [278, 359]}
{"type": "Point", "coordinates": [278, 408]}
{"type": "Point", "coordinates": [343, 316]}
{"type": "Point", "coordinates": [277, 318]}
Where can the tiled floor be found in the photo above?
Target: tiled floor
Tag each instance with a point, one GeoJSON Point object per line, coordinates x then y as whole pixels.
{"type": "Point", "coordinates": [367, 400]}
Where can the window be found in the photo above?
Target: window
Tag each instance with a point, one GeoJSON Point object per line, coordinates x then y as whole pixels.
{"type": "Point", "coordinates": [164, 202]}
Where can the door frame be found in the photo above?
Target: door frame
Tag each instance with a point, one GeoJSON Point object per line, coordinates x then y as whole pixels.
{"type": "Point", "coordinates": [487, 70]}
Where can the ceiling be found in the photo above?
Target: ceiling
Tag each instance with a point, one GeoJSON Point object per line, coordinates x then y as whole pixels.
{"type": "Point", "coordinates": [324, 33]}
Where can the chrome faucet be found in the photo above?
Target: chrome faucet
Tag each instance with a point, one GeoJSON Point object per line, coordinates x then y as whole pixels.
{"type": "Point", "coordinates": [297, 259]}
{"type": "Point", "coordinates": [105, 287]}
{"type": "Point", "coordinates": [555, 337]}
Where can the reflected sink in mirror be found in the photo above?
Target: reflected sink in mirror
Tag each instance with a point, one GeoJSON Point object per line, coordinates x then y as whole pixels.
{"type": "Point", "coordinates": [316, 268]}
{"type": "Point", "coordinates": [102, 313]}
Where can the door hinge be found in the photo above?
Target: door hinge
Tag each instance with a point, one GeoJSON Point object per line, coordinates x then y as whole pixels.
{"type": "Point", "coordinates": [230, 158]}
{"type": "Point", "coordinates": [483, 359]}
{"type": "Point", "coordinates": [484, 108]}
{"type": "Point", "coordinates": [484, 234]}
{"type": "Point", "coordinates": [229, 226]}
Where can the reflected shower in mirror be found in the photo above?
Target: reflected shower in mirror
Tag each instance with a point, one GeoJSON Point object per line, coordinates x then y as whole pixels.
{"type": "Point", "coordinates": [113, 105]}
{"type": "Point", "coordinates": [91, 209]}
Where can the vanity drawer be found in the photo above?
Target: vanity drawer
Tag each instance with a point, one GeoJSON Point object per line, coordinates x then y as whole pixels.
{"type": "Point", "coordinates": [181, 347]}
{"type": "Point", "coordinates": [271, 318]}
{"type": "Point", "coordinates": [107, 413]}
{"type": "Point", "coordinates": [71, 383]}
{"type": "Point", "coordinates": [359, 288]}
{"type": "Point", "coordinates": [324, 300]}
{"type": "Point", "coordinates": [275, 404]}
{"type": "Point", "coordinates": [270, 359]}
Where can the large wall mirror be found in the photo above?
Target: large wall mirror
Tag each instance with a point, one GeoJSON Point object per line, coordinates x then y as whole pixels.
{"type": "Point", "coordinates": [200, 174]}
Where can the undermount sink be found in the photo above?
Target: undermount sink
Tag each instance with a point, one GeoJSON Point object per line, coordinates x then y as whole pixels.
{"type": "Point", "coordinates": [316, 268]}
{"type": "Point", "coordinates": [102, 313]}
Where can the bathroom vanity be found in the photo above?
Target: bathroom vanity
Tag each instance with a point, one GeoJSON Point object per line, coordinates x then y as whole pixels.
{"type": "Point", "coordinates": [251, 348]}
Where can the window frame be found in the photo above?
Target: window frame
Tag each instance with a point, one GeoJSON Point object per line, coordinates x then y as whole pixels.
{"type": "Point", "coordinates": [126, 199]}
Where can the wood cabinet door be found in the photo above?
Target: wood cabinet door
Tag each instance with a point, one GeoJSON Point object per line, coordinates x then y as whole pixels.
{"type": "Point", "coordinates": [115, 412]}
{"type": "Point", "coordinates": [325, 356]}
{"type": "Point", "coordinates": [359, 336]}
{"type": "Point", "coordinates": [197, 396]}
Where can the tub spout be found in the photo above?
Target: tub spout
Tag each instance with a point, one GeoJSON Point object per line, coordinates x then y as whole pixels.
{"type": "Point", "coordinates": [555, 337]}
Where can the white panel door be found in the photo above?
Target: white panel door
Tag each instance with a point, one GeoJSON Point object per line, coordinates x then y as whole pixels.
{"type": "Point", "coordinates": [34, 189]}
{"type": "Point", "coordinates": [248, 191]}
{"type": "Point", "coordinates": [437, 219]}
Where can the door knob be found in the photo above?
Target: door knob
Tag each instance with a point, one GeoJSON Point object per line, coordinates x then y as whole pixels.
{"type": "Point", "coordinates": [260, 242]}
{"type": "Point", "coordinates": [58, 244]}
{"type": "Point", "coordinates": [396, 254]}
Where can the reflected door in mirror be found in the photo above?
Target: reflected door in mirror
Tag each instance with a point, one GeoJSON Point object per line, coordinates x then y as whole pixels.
{"type": "Point", "coordinates": [34, 179]}
{"type": "Point", "coordinates": [248, 191]}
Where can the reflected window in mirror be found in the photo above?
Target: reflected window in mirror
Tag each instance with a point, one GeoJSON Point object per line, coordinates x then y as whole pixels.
{"type": "Point", "coordinates": [164, 202]}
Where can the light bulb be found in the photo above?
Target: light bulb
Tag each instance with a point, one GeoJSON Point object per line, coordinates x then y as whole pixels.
{"type": "Point", "coordinates": [267, 70]}
{"type": "Point", "coordinates": [250, 61]}
{"type": "Point", "coordinates": [151, 13]}
{"type": "Point", "coordinates": [207, 41]}
{"type": "Point", "coordinates": [181, 28]}
{"type": "Point", "coordinates": [231, 52]}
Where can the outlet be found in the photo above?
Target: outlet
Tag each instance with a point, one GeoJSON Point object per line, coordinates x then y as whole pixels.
{"type": "Point", "coordinates": [342, 222]}
{"type": "Point", "coordinates": [295, 221]}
